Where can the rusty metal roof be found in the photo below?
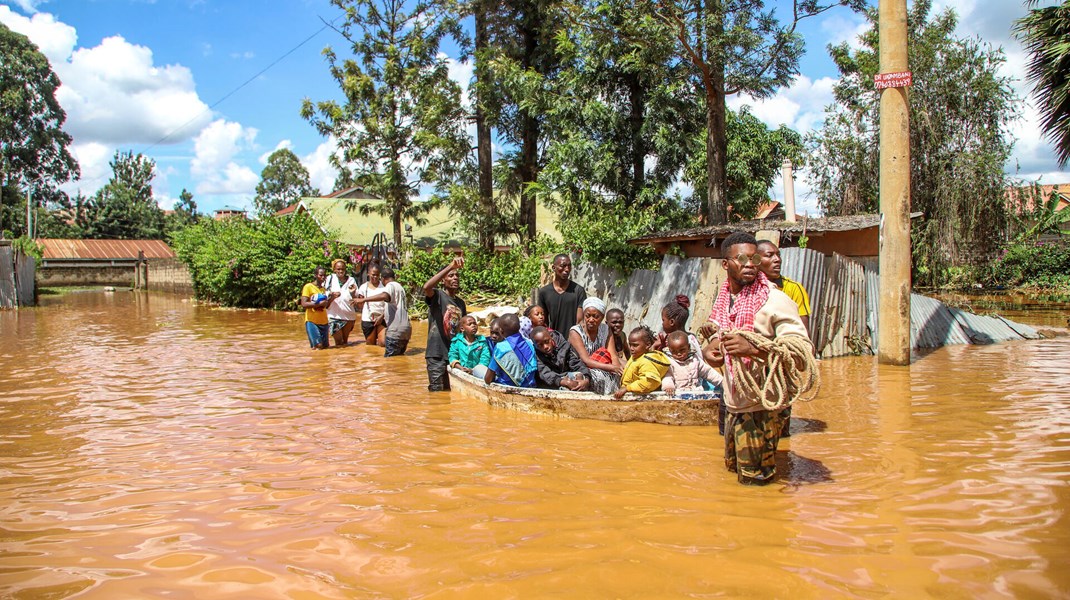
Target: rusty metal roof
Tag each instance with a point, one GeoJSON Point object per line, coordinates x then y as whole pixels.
{"type": "Point", "coordinates": [57, 249]}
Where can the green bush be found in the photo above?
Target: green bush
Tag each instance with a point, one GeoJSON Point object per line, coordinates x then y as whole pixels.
{"type": "Point", "coordinates": [598, 232]}
{"type": "Point", "coordinates": [511, 274]}
{"type": "Point", "coordinates": [1044, 265]}
{"type": "Point", "coordinates": [254, 264]}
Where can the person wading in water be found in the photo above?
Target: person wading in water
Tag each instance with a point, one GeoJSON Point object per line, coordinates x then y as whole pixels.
{"type": "Point", "coordinates": [749, 310]}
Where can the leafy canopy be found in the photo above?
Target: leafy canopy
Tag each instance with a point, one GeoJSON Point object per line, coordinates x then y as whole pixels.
{"type": "Point", "coordinates": [401, 125]}
{"type": "Point", "coordinates": [283, 182]}
{"type": "Point", "coordinates": [1045, 33]}
{"type": "Point", "coordinates": [959, 141]}
{"type": "Point", "coordinates": [124, 208]}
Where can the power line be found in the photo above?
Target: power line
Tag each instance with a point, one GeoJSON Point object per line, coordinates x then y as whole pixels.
{"type": "Point", "coordinates": [243, 84]}
{"type": "Point", "coordinates": [211, 107]}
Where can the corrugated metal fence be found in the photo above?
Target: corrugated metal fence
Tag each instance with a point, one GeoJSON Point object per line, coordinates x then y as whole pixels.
{"type": "Point", "coordinates": [16, 277]}
{"type": "Point", "coordinates": [844, 297]}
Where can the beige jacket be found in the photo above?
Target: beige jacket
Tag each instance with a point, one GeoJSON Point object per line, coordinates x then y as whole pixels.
{"type": "Point", "coordinates": [778, 317]}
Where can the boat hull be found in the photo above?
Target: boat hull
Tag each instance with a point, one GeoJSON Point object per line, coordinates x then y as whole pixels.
{"type": "Point", "coordinates": [697, 408]}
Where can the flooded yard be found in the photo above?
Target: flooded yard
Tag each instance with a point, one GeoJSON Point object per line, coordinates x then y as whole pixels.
{"type": "Point", "coordinates": [151, 447]}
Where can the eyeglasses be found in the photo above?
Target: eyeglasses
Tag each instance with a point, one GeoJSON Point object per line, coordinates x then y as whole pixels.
{"type": "Point", "coordinates": [743, 259]}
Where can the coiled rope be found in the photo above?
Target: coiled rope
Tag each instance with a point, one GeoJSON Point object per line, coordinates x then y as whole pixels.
{"type": "Point", "coordinates": [789, 375]}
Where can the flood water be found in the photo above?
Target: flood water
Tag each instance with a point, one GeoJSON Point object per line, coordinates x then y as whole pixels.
{"type": "Point", "coordinates": [150, 447]}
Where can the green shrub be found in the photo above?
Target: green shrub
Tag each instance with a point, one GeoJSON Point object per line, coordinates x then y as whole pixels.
{"type": "Point", "coordinates": [29, 247]}
{"type": "Point", "coordinates": [1028, 264]}
{"type": "Point", "coordinates": [254, 264]}
{"type": "Point", "coordinates": [511, 274]}
{"type": "Point", "coordinates": [598, 232]}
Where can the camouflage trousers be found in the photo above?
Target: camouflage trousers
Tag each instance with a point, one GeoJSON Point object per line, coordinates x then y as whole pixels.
{"type": "Point", "coordinates": [750, 443]}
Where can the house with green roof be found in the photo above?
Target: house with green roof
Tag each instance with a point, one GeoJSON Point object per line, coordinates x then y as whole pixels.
{"type": "Point", "coordinates": [341, 215]}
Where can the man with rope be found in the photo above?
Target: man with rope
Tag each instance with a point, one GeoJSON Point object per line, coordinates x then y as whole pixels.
{"type": "Point", "coordinates": [768, 362]}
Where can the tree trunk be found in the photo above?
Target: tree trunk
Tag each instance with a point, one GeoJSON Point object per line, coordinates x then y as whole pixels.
{"type": "Point", "coordinates": [716, 159]}
{"type": "Point", "coordinates": [529, 133]}
{"type": "Point", "coordinates": [395, 219]}
{"type": "Point", "coordinates": [529, 166]}
{"type": "Point", "coordinates": [716, 127]}
{"type": "Point", "coordinates": [637, 100]}
{"type": "Point", "coordinates": [484, 158]}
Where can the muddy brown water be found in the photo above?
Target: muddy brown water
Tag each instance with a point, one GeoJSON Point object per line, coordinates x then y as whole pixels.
{"type": "Point", "coordinates": [150, 447]}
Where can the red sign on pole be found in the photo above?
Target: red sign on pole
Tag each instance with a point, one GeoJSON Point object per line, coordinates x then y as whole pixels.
{"type": "Point", "coordinates": [892, 80]}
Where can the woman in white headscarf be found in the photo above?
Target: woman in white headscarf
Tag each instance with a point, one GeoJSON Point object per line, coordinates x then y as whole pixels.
{"type": "Point", "coordinates": [595, 347]}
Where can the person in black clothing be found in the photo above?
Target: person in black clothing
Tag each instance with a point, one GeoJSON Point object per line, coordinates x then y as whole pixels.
{"type": "Point", "coordinates": [558, 364]}
{"type": "Point", "coordinates": [444, 311]}
{"type": "Point", "coordinates": [562, 298]}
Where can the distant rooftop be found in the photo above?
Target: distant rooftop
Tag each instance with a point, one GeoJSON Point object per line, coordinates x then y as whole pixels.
{"type": "Point", "coordinates": [59, 249]}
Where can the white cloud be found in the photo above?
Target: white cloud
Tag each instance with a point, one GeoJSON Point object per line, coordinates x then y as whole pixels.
{"type": "Point", "coordinates": [213, 167]}
{"type": "Point", "coordinates": [113, 92]}
{"type": "Point", "coordinates": [93, 159]}
{"type": "Point", "coordinates": [800, 106]}
{"type": "Point", "coordinates": [462, 73]}
{"type": "Point", "coordinates": [56, 40]}
{"type": "Point", "coordinates": [283, 144]}
{"type": "Point", "coordinates": [843, 27]}
{"type": "Point", "coordinates": [27, 6]}
{"type": "Point", "coordinates": [320, 171]}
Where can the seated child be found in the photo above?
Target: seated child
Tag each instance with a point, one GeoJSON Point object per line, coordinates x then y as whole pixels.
{"type": "Point", "coordinates": [646, 367]}
{"type": "Point", "coordinates": [674, 318]}
{"type": "Point", "coordinates": [513, 360]}
{"type": "Point", "coordinates": [687, 370]}
{"type": "Point", "coordinates": [615, 320]}
{"type": "Point", "coordinates": [537, 315]}
{"type": "Point", "coordinates": [468, 349]}
{"type": "Point", "coordinates": [559, 366]}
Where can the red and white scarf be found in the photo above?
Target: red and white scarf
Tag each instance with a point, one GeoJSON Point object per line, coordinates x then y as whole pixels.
{"type": "Point", "coordinates": [739, 314]}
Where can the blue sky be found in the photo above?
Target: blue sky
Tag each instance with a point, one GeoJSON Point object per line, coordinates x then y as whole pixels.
{"type": "Point", "coordinates": [153, 76]}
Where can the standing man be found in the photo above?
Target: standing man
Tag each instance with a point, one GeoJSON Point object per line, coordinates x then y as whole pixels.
{"type": "Point", "coordinates": [770, 254]}
{"type": "Point", "coordinates": [562, 299]}
{"type": "Point", "coordinates": [444, 311]}
{"type": "Point", "coordinates": [747, 303]}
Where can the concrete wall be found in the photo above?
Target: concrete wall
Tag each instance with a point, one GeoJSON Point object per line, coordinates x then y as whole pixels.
{"type": "Point", "coordinates": [169, 275]}
{"type": "Point", "coordinates": [87, 275]}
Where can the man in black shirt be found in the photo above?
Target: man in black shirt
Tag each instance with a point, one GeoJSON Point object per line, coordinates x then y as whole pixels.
{"type": "Point", "coordinates": [445, 309]}
{"type": "Point", "coordinates": [562, 298]}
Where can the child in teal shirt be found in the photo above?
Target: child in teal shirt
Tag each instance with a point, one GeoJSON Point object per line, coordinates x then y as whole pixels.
{"type": "Point", "coordinates": [469, 351]}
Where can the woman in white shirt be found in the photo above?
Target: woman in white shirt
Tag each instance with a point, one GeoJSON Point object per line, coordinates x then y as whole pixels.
{"type": "Point", "coordinates": [340, 314]}
{"type": "Point", "coordinates": [371, 315]}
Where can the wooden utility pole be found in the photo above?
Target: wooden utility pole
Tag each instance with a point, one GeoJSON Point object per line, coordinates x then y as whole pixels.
{"type": "Point", "coordinates": [893, 82]}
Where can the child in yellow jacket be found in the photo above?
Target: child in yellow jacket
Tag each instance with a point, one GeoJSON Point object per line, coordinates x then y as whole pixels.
{"type": "Point", "coordinates": [646, 367]}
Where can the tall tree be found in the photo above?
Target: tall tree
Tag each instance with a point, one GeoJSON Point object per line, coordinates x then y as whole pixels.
{"type": "Point", "coordinates": [1045, 33]}
{"type": "Point", "coordinates": [124, 208]}
{"type": "Point", "coordinates": [283, 182]}
{"type": "Point", "coordinates": [33, 145]}
{"type": "Point", "coordinates": [523, 42]}
{"type": "Point", "coordinates": [488, 210]}
{"type": "Point", "coordinates": [183, 215]}
{"type": "Point", "coordinates": [733, 47]}
{"type": "Point", "coordinates": [755, 155]}
{"type": "Point", "coordinates": [401, 125]}
{"type": "Point", "coordinates": [959, 141]}
{"type": "Point", "coordinates": [620, 109]}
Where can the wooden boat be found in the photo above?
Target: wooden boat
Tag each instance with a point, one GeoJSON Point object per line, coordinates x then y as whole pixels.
{"type": "Point", "coordinates": [688, 408]}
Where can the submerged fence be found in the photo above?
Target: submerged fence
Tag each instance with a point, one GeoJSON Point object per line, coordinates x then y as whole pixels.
{"type": "Point", "coordinates": [16, 277]}
{"type": "Point", "coordinates": [844, 300]}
